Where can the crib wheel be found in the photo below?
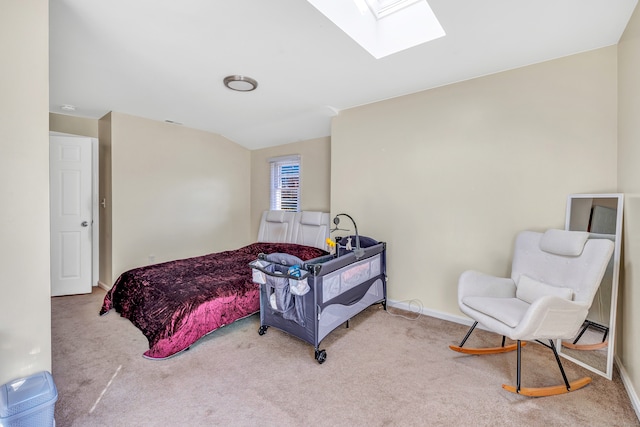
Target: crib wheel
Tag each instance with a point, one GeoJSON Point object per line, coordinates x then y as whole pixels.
{"type": "Point", "coordinates": [321, 356]}
{"type": "Point", "coordinates": [262, 330]}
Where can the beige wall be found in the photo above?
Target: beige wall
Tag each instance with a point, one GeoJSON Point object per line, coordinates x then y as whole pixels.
{"type": "Point", "coordinates": [25, 307]}
{"type": "Point", "coordinates": [315, 166]}
{"type": "Point", "coordinates": [175, 192]}
{"type": "Point", "coordinates": [448, 176]}
{"type": "Point", "coordinates": [105, 267]}
{"type": "Point", "coordinates": [628, 346]}
{"type": "Point", "coordinates": [73, 125]}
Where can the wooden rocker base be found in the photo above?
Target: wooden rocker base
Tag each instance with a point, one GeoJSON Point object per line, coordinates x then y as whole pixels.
{"type": "Point", "coordinates": [548, 391]}
{"type": "Point", "coordinates": [596, 346]}
{"type": "Point", "coordinates": [489, 350]}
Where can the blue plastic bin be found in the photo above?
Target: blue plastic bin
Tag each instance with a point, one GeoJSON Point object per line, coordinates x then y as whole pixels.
{"type": "Point", "coordinates": [28, 402]}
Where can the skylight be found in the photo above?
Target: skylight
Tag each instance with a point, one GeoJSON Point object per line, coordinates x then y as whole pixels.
{"type": "Point", "coordinates": [383, 27]}
{"type": "Point", "coordinates": [382, 8]}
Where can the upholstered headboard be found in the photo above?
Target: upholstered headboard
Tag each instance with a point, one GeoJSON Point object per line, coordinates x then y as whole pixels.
{"type": "Point", "coordinates": [311, 229]}
{"type": "Point", "coordinates": [305, 228]}
{"type": "Point", "coordinates": [276, 226]}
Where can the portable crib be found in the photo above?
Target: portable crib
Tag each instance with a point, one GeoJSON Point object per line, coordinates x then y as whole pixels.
{"type": "Point", "coordinates": [338, 288]}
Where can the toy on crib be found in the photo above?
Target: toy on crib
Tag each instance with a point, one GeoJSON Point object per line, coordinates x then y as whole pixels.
{"type": "Point", "coordinates": [358, 251]}
{"type": "Point", "coordinates": [294, 271]}
{"type": "Point", "coordinates": [332, 246]}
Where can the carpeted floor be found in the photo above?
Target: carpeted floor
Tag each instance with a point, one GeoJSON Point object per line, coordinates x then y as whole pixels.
{"type": "Point", "coordinates": [382, 371]}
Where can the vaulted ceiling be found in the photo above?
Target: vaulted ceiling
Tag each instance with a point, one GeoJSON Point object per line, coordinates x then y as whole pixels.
{"type": "Point", "coordinates": [166, 59]}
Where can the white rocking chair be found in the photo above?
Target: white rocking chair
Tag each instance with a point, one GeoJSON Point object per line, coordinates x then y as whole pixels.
{"type": "Point", "coordinates": [553, 281]}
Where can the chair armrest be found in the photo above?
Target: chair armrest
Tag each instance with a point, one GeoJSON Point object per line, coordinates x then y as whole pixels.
{"type": "Point", "coordinates": [474, 283]}
{"type": "Point", "coordinates": [551, 317]}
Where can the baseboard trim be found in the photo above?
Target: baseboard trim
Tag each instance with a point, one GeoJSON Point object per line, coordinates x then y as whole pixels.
{"type": "Point", "coordinates": [626, 380]}
{"type": "Point", "coordinates": [410, 305]}
{"type": "Point", "coordinates": [103, 286]}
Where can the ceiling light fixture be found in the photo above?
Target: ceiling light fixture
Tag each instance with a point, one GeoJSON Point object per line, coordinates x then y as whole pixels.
{"type": "Point", "coordinates": [68, 107]}
{"type": "Point", "coordinates": [240, 83]}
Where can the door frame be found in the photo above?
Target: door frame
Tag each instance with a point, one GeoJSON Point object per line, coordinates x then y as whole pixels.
{"type": "Point", "coordinates": [95, 214]}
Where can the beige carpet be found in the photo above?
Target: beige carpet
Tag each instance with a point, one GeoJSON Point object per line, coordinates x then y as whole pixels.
{"type": "Point", "coordinates": [382, 371]}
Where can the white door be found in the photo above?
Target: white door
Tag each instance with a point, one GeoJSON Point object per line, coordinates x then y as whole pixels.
{"type": "Point", "coordinates": [70, 177]}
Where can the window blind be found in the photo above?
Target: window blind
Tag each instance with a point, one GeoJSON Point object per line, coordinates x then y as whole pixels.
{"type": "Point", "coordinates": [285, 183]}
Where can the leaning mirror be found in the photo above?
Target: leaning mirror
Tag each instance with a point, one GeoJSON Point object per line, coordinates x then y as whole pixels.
{"type": "Point", "coordinates": [601, 216]}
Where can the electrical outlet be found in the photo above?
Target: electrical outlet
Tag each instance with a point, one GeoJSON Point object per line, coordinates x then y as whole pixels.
{"type": "Point", "coordinates": [152, 259]}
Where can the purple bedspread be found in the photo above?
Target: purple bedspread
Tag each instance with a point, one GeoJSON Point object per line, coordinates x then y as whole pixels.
{"type": "Point", "coordinates": [178, 302]}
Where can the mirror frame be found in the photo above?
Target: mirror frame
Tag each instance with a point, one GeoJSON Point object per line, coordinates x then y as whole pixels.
{"type": "Point", "coordinates": [608, 373]}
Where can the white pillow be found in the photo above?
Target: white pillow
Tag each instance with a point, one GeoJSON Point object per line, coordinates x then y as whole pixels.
{"type": "Point", "coordinates": [311, 218]}
{"type": "Point", "coordinates": [563, 242]}
{"type": "Point", "coordinates": [275, 216]}
{"type": "Point", "coordinates": [530, 290]}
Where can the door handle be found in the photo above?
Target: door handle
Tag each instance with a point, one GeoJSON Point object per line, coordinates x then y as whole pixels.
{"type": "Point", "coordinates": [84, 224]}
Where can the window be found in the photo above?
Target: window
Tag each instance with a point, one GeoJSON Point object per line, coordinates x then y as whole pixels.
{"type": "Point", "coordinates": [285, 183]}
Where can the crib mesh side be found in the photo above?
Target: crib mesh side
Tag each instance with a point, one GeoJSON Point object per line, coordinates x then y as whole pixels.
{"type": "Point", "coordinates": [340, 281]}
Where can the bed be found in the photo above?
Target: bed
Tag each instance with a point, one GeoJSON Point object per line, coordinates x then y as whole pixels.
{"type": "Point", "coordinates": [176, 303]}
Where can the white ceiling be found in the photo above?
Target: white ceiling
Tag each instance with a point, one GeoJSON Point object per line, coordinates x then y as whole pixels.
{"type": "Point", "coordinates": [165, 59]}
